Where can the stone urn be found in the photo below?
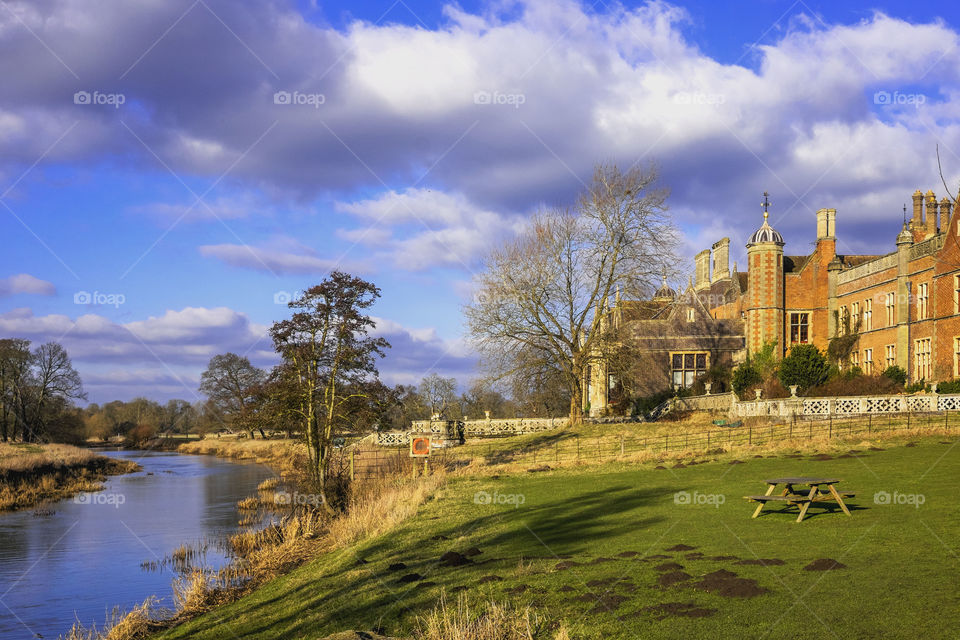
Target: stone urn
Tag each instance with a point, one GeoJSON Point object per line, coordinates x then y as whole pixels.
{"type": "Point", "coordinates": [758, 392]}
{"type": "Point", "coordinates": [793, 391]}
{"type": "Point", "coordinates": [707, 387]}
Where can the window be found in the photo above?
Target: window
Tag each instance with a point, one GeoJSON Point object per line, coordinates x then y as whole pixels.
{"type": "Point", "coordinates": [855, 316]}
{"type": "Point", "coordinates": [956, 294]}
{"type": "Point", "coordinates": [844, 324]}
{"type": "Point", "coordinates": [868, 361]}
{"type": "Point", "coordinates": [687, 367]}
{"type": "Point", "coordinates": [923, 297]}
{"type": "Point", "coordinates": [922, 359]}
{"type": "Point", "coordinates": [891, 355]}
{"type": "Point", "coordinates": [956, 357]}
{"type": "Point", "coordinates": [867, 315]}
{"type": "Point", "coordinates": [891, 309]}
{"type": "Point", "coordinates": [799, 328]}
{"type": "Point", "coordinates": [855, 359]}
{"type": "Point", "coordinates": [690, 315]}
{"type": "Point", "coordinates": [611, 388]}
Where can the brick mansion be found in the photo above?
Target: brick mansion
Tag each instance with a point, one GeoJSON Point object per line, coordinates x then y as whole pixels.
{"type": "Point", "coordinates": [904, 305]}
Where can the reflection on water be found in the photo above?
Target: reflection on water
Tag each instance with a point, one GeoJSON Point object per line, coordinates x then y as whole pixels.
{"type": "Point", "coordinates": [84, 559]}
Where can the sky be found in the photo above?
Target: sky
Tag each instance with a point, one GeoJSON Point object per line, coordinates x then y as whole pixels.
{"type": "Point", "coordinates": [172, 171]}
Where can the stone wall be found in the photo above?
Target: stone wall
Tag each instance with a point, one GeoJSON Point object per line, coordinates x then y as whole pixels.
{"type": "Point", "coordinates": [846, 406]}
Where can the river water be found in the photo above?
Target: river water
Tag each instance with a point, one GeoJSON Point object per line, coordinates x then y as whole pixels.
{"type": "Point", "coordinates": [80, 562]}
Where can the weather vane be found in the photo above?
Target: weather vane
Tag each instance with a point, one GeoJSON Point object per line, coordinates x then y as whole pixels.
{"type": "Point", "coordinates": [766, 205]}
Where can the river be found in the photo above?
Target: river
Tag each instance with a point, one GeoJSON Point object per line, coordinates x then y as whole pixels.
{"type": "Point", "coordinates": [80, 562]}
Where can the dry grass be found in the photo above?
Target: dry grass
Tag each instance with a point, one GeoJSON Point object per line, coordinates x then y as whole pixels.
{"type": "Point", "coordinates": [138, 623]}
{"type": "Point", "coordinates": [492, 621]}
{"type": "Point", "coordinates": [284, 455]}
{"type": "Point", "coordinates": [31, 474]}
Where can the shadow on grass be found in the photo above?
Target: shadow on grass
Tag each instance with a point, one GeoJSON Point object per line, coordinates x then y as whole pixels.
{"type": "Point", "coordinates": [332, 601]}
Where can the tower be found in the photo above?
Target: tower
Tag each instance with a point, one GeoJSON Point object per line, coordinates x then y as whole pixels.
{"type": "Point", "coordinates": [765, 286]}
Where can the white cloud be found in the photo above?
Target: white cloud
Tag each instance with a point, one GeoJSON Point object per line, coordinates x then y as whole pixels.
{"type": "Point", "coordinates": [26, 283]}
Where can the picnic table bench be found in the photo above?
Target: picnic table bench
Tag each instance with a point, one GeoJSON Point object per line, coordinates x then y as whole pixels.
{"type": "Point", "coordinates": [802, 498]}
{"type": "Point", "coordinates": [724, 423]}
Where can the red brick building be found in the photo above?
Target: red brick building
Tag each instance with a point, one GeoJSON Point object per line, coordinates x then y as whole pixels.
{"type": "Point", "coordinates": [904, 305]}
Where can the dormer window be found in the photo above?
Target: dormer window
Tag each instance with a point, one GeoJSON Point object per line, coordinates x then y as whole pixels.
{"type": "Point", "coordinates": [691, 316]}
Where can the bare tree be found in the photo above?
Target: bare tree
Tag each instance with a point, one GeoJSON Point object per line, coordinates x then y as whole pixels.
{"type": "Point", "coordinates": [438, 393]}
{"type": "Point", "coordinates": [541, 297]}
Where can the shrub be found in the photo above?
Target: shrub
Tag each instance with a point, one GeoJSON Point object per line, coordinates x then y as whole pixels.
{"type": "Point", "coordinates": [856, 386]}
{"type": "Point", "coordinates": [744, 377]}
{"type": "Point", "coordinates": [919, 385]}
{"type": "Point", "coordinates": [805, 367]}
{"type": "Point", "coordinates": [953, 386]}
{"type": "Point", "coordinates": [643, 406]}
{"type": "Point", "coordinates": [897, 374]}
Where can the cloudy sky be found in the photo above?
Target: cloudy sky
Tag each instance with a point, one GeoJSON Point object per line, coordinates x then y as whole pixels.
{"type": "Point", "coordinates": [172, 170]}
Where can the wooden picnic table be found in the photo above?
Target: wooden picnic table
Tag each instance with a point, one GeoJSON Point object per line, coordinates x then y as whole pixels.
{"type": "Point", "coordinates": [802, 497]}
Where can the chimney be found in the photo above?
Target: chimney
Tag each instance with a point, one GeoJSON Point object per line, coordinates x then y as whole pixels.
{"type": "Point", "coordinates": [702, 272]}
{"type": "Point", "coordinates": [931, 214]}
{"type": "Point", "coordinates": [721, 259]}
{"type": "Point", "coordinates": [946, 213]}
{"type": "Point", "coordinates": [826, 223]}
{"type": "Point", "coordinates": [916, 223]}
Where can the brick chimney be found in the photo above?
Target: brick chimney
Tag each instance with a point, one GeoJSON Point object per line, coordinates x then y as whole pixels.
{"type": "Point", "coordinates": [931, 214]}
{"type": "Point", "coordinates": [946, 213]}
{"type": "Point", "coordinates": [721, 259]}
{"type": "Point", "coordinates": [702, 272]}
{"type": "Point", "coordinates": [916, 222]}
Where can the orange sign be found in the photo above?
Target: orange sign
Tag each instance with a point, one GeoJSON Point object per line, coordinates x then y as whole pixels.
{"type": "Point", "coordinates": [420, 447]}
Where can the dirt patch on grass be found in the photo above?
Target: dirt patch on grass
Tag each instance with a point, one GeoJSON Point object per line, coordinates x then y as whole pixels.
{"type": "Point", "coordinates": [656, 556]}
{"type": "Point", "coordinates": [824, 564]}
{"type": "Point", "coordinates": [566, 564]}
{"type": "Point", "coordinates": [821, 457]}
{"type": "Point", "coordinates": [601, 582]}
{"type": "Point", "coordinates": [601, 560]}
{"type": "Point", "coordinates": [628, 554]}
{"type": "Point", "coordinates": [397, 566]}
{"type": "Point", "coordinates": [660, 467]}
{"type": "Point", "coordinates": [490, 578]}
{"type": "Point", "coordinates": [679, 465]}
{"type": "Point", "coordinates": [602, 603]}
{"type": "Point", "coordinates": [729, 585]}
{"type": "Point", "coordinates": [471, 552]}
{"type": "Point", "coordinates": [410, 577]}
{"type": "Point", "coordinates": [566, 588]}
{"type": "Point", "coordinates": [763, 562]}
{"type": "Point", "coordinates": [722, 558]}
{"type": "Point", "coordinates": [668, 566]}
{"type": "Point", "coordinates": [673, 577]}
{"type": "Point", "coordinates": [736, 462]}
{"type": "Point", "coordinates": [454, 559]}
{"type": "Point", "coordinates": [696, 555]}
{"type": "Point", "coordinates": [681, 547]}
{"type": "Point", "coordinates": [875, 449]}
{"type": "Point", "coordinates": [673, 610]}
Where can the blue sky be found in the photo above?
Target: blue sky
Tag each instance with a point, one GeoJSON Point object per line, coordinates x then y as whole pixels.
{"type": "Point", "coordinates": [189, 163]}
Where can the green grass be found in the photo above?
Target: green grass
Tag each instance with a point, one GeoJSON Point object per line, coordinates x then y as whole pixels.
{"type": "Point", "coordinates": [900, 579]}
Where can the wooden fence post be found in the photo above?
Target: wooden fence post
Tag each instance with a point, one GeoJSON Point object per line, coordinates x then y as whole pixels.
{"type": "Point", "coordinates": [578, 448]}
{"type": "Point", "coordinates": [352, 453]}
{"type": "Point", "coordinates": [621, 445]}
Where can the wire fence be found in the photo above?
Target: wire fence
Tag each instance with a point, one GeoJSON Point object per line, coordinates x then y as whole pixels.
{"type": "Point", "coordinates": [559, 446]}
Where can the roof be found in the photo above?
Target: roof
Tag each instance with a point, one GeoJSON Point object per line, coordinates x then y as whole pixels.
{"type": "Point", "coordinates": [856, 261]}
{"type": "Point", "coordinates": [794, 264]}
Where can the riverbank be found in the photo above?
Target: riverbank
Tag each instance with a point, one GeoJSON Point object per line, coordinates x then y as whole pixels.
{"type": "Point", "coordinates": [31, 474]}
{"type": "Point", "coordinates": [284, 455]}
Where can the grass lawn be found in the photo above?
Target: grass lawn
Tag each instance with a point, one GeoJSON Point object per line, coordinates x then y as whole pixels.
{"type": "Point", "coordinates": [604, 522]}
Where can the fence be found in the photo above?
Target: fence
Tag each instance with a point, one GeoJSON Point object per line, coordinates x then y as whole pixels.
{"type": "Point", "coordinates": [846, 406]}
{"type": "Point", "coordinates": [567, 447]}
